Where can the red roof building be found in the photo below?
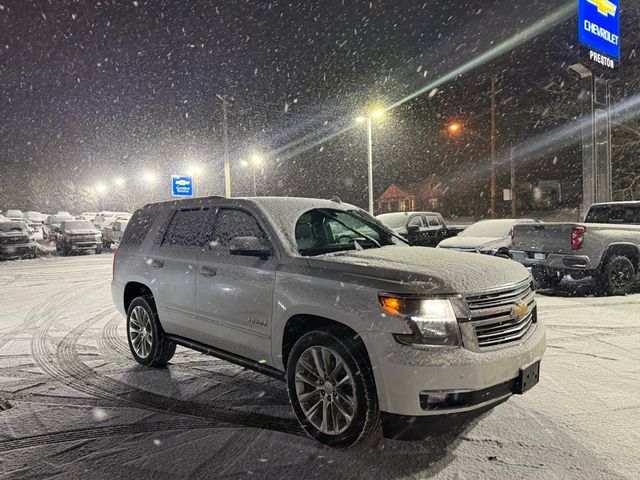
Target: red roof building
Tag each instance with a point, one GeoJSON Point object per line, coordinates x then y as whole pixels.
{"type": "Point", "coordinates": [424, 195]}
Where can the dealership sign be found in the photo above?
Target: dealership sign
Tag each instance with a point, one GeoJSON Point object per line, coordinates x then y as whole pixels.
{"type": "Point", "coordinates": [599, 30]}
{"type": "Point", "coordinates": [181, 186]}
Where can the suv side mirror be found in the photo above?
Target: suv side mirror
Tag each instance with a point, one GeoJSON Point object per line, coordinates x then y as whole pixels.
{"type": "Point", "coordinates": [250, 247]}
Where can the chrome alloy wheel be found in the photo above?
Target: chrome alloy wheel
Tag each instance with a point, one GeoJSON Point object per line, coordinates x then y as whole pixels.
{"type": "Point", "coordinates": [325, 389]}
{"type": "Point", "coordinates": [140, 332]}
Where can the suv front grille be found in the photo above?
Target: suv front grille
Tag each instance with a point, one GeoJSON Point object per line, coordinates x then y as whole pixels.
{"type": "Point", "coordinates": [14, 240]}
{"type": "Point", "coordinates": [495, 317]}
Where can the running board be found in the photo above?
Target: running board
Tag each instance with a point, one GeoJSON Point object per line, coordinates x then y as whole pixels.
{"type": "Point", "coordinates": [229, 357]}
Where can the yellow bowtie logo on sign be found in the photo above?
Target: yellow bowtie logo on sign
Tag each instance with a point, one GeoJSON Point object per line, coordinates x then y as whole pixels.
{"type": "Point", "coordinates": [605, 7]}
{"type": "Point", "coordinates": [182, 182]}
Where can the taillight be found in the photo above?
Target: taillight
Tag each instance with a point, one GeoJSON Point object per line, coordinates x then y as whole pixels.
{"type": "Point", "coordinates": [577, 238]}
{"type": "Point", "coordinates": [113, 265]}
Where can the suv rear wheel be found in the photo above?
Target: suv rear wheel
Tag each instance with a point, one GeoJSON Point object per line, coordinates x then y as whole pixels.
{"type": "Point", "coordinates": [332, 390]}
{"type": "Point", "coordinates": [148, 343]}
{"type": "Point", "coordinates": [617, 276]}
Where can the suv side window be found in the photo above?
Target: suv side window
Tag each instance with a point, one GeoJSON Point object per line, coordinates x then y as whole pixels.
{"type": "Point", "coordinates": [416, 222]}
{"type": "Point", "coordinates": [433, 221]}
{"type": "Point", "coordinates": [231, 223]}
{"type": "Point", "coordinates": [188, 229]}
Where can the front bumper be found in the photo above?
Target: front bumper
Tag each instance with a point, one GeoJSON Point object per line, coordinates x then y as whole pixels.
{"type": "Point", "coordinates": [404, 375]}
{"type": "Point", "coordinates": [75, 246]}
{"type": "Point", "coordinates": [18, 251]}
{"type": "Point", "coordinates": [554, 261]}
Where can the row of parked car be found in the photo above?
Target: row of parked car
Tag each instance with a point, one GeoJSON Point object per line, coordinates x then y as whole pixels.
{"type": "Point", "coordinates": [20, 232]}
{"type": "Point", "coordinates": [606, 246]}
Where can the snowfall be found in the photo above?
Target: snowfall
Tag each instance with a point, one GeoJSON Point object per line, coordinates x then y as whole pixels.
{"type": "Point", "coordinates": [73, 403]}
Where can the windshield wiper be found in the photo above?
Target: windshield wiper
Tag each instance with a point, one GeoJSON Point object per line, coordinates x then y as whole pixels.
{"type": "Point", "coordinates": [366, 237]}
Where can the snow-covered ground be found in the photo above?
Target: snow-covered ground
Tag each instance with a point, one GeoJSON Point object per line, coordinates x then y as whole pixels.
{"type": "Point", "coordinates": [73, 404]}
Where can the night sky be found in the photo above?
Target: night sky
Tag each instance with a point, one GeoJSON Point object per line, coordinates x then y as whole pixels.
{"type": "Point", "coordinates": [91, 89]}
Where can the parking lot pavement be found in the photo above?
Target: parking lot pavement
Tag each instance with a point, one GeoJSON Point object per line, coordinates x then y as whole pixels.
{"type": "Point", "coordinates": [72, 400]}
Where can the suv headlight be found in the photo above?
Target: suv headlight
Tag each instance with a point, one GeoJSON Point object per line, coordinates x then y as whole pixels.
{"type": "Point", "coordinates": [432, 320]}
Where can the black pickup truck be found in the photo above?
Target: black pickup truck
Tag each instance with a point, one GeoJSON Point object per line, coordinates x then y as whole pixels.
{"type": "Point", "coordinates": [425, 229]}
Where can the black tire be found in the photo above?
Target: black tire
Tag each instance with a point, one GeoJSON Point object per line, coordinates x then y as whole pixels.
{"type": "Point", "coordinates": [161, 348]}
{"type": "Point", "coordinates": [543, 279]}
{"type": "Point", "coordinates": [366, 421]}
{"type": "Point", "coordinates": [617, 276]}
{"type": "Point", "coordinates": [98, 250]}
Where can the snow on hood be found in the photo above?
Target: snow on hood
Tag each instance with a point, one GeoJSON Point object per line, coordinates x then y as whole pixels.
{"type": "Point", "coordinates": [475, 243]}
{"type": "Point", "coordinates": [81, 231]}
{"type": "Point", "coordinates": [424, 269]}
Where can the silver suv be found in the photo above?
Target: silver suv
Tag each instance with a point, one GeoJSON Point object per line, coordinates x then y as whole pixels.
{"type": "Point", "coordinates": [369, 332]}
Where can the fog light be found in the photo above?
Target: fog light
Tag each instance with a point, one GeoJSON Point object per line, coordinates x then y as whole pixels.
{"type": "Point", "coordinates": [431, 400]}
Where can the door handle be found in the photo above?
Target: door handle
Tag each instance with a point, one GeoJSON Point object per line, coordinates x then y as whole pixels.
{"type": "Point", "coordinates": [208, 272]}
{"type": "Point", "coordinates": [155, 263]}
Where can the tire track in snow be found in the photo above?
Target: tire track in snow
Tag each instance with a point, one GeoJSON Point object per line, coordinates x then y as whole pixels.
{"type": "Point", "coordinates": [70, 370]}
{"type": "Point", "coordinates": [94, 433]}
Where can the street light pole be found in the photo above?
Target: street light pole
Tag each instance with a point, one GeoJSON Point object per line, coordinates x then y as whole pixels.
{"type": "Point", "coordinates": [370, 163]}
{"type": "Point", "coordinates": [254, 182]}
{"type": "Point", "coordinates": [225, 133]}
{"type": "Point", "coordinates": [493, 146]}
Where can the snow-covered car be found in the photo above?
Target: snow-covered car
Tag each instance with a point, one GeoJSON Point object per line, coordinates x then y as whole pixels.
{"type": "Point", "coordinates": [15, 241]}
{"type": "Point", "coordinates": [74, 236]}
{"type": "Point", "coordinates": [14, 215]}
{"type": "Point", "coordinates": [425, 229]}
{"type": "Point", "coordinates": [103, 219]}
{"type": "Point", "coordinates": [35, 220]}
{"type": "Point", "coordinates": [368, 331]}
{"type": "Point", "coordinates": [490, 237]}
{"type": "Point", "coordinates": [52, 223]}
{"type": "Point", "coordinates": [112, 234]}
{"type": "Point", "coordinates": [90, 216]}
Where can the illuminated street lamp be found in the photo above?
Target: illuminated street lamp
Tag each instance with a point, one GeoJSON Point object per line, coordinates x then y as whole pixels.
{"type": "Point", "coordinates": [454, 128]}
{"type": "Point", "coordinates": [149, 178]}
{"type": "Point", "coordinates": [375, 114]}
{"type": "Point", "coordinates": [119, 182]}
{"type": "Point", "coordinates": [195, 170]}
{"type": "Point", "coordinates": [100, 188]}
{"type": "Point", "coordinates": [255, 162]}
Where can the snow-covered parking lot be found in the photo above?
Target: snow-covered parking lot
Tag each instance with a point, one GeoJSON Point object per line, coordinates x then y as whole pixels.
{"type": "Point", "coordinates": [73, 404]}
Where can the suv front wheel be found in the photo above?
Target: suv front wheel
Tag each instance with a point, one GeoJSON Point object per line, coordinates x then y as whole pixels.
{"type": "Point", "coordinates": [332, 390]}
{"type": "Point", "coordinates": [148, 343]}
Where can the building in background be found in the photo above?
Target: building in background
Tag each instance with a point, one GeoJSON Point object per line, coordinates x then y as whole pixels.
{"type": "Point", "coordinates": [426, 195]}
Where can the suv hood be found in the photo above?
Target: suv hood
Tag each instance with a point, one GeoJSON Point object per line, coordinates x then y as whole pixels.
{"type": "Point", "coordinates": [82, 231]}
{"type": "Point", "coordinates": [421, 270]}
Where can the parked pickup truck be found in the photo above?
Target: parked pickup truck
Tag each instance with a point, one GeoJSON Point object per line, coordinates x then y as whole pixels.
{"type": "Point", "coordinates": [425, 229]}
{"type": "Point", "coordinates": [606, 246]}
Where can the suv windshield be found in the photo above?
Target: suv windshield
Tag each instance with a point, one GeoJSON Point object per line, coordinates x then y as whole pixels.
{"type": "Point", "coordinates": [393, 220]}
{"type": "Point", "coordinates": [322, 231]}
{"type": "Point", "coordinates": [489, 228]}
{"type": "Point", "coordinates": [12, 227]}
{"type": "Point", "coordinates": [78, 225]}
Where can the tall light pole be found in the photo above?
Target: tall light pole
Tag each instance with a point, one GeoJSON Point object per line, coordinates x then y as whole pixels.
{"type": "Point", "coordinates": [225, 133]}
{"type": "Point", "coordinates": [369, 119]}
{"type": "Point", "coordinates": [255, 162]}
{"type": "Point", "coordinates": [493, 146]}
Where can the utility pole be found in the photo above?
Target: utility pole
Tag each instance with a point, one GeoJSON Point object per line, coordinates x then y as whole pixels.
{"type": "Point", "coordinates": [370, 164]}
{"type": "Point", "coordinates": [225, 132]}
{"type": "Point", "coordinates": [493, 145]}
{"type": "Point", "coordinates": [512, 167]}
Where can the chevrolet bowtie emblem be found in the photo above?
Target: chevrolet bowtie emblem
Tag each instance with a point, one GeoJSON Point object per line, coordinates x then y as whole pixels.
{"type": "Point", "coordinates": [605, 7]}
{"type": "Point", "coordinates": [519, 310]}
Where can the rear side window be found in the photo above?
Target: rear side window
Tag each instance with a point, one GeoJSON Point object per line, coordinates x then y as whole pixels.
{"type": "Point", "coordinates": [416, 222]}
{"type": "Point", "coordinates": [188, 228]}
{"type": "Point", "coordinates": [234, 223]}
{"type": "Point", "coordinates": [139, 225]}
{"type": "Point", "coordinates": [433, 221]}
